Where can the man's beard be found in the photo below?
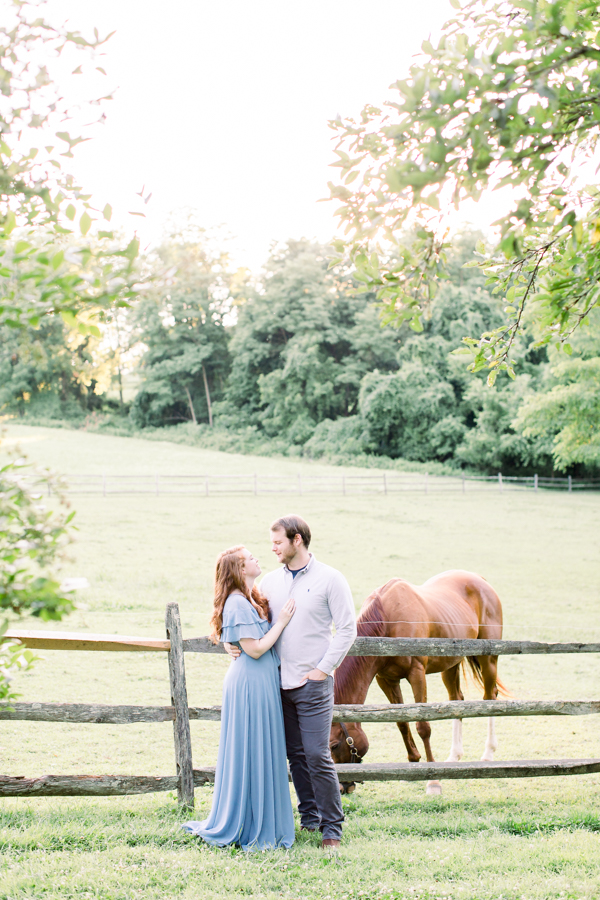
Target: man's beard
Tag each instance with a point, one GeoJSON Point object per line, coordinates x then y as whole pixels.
{"type": "Point", "coordinates": [287, 556]}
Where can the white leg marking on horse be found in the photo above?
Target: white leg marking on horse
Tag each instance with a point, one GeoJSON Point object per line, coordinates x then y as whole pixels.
{"type": "Point", "coordinates": [491, 745]}
{"type": "Point", "coordinates": [433, 789]}
{"type": "Point", "coordinates": [456, 750]}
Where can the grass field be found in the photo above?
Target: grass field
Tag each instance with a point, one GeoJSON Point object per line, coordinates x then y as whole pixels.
{"type": "Point", "coordinates": [535, 838]}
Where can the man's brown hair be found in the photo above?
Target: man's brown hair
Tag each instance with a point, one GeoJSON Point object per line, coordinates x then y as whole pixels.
{"type": "Point", "coordinates": [293, 525]}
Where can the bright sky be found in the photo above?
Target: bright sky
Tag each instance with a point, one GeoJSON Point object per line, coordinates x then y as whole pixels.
{"type": "Point", "coordinates": [222, 106]}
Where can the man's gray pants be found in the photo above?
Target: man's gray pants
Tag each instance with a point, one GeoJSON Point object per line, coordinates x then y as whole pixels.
{"type": "Point", "coordinates": [307, 712]}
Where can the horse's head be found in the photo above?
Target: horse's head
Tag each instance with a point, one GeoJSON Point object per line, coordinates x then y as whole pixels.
{"type": "Point", "coordinates": [341, 745]}
{"type": "Point", "coordinates": [348, 744]}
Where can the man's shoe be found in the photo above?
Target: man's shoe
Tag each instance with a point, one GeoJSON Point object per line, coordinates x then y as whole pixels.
{"type": "Point", "coordinates": [330, 844]}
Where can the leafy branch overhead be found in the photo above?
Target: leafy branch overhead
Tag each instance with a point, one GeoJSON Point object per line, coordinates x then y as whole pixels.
{"type": "Point", "coordinates": [49, 262]}
{"type": "Point", "coordinates": [509, 97]}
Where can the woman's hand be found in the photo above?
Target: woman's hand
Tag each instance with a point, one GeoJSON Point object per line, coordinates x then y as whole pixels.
{"type": "Point", "coordinates": [286, 613]}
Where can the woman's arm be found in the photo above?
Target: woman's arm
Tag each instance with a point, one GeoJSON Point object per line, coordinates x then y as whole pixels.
{"type": "Point", "coordinates": [256, 647]}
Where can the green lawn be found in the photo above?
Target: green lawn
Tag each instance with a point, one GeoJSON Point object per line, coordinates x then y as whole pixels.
{"type": "Point", "coordinates": [535, 838]}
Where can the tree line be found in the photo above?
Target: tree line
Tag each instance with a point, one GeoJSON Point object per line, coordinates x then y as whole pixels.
{"type": "Point", "coordinates": [296, 360]}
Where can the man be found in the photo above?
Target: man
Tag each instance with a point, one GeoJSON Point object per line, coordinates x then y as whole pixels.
{"type": "Point", "coordinates": [309, 654]}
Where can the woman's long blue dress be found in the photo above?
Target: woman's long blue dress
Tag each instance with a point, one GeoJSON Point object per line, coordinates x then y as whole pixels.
{"type": "Point", "coordinates": [251, 803]}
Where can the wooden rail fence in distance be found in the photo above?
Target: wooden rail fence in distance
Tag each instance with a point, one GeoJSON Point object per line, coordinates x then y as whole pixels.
{"type": "Point", "coordinates": [381, 482]}
{"type": "Point", "coordinates": [178, 712]}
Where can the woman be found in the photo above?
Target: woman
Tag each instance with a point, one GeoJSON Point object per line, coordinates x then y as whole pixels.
{"type": "Point", "coordinates": [251, 803]}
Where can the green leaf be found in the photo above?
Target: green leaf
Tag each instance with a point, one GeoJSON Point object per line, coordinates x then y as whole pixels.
{"type": "Point", "coordinates": [57, 260]}
{"type": "Point", "coordinates": [70, 212]}
{"type": "Point", "coordinates": [107, 212]}
{"type": "Point", "coordinates": [10, 222]}
{"type": "Point", "coordinates": [85, 223]}
{"type": "Point", "coordinates": [69, 318]}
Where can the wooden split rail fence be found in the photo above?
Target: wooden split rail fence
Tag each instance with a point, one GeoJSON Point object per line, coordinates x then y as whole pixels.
{"type": "Point", "coordinates": [186, 778]}
{"type": "Point", "coordinates": [363, 483]}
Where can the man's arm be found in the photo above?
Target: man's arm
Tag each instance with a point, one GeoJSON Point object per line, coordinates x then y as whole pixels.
{"type": "Point", "coordinates": [341, 606]}
{"type": "Point", "coordinates": [232, 649]}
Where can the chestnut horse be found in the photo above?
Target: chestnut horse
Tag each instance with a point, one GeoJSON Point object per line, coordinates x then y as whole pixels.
{"type": "Point", "coordinates": [455, 604]}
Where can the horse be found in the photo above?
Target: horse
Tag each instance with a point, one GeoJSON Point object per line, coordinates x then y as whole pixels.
{"type": "Point", "coordinates": [454, 604]}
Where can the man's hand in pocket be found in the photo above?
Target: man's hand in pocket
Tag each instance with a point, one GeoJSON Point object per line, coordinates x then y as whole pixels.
{"type": "Point", "coordinates": [316, 675]}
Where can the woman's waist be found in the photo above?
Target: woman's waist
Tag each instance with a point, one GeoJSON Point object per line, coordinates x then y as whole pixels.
{"type": "Point", "coordinates": [246, 663]}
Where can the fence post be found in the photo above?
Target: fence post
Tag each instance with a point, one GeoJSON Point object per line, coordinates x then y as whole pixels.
{"type": "Point", "coordinates": [181, 724]}
{"type": "Point", "coordinates": [255, 484]}
{"type": "Point", "coordinates": [343, 484]}
{"type": "Point", "coordinates": [463, 482]}
{"type": "Point", "coordinates": [206, 485]}
{"type": "Point", "coordinates": [535, 483]}
{"type": "Point", "coordinates": [500, 481]}
{"type": "Point", "coordinates": [156, 481]}
{"type": "Point", "coordinates": [385, 482]}
{"type": "Point", "coordinates": [104, 484]}
{"type": "Point", "coordinates": [570, 484]}
{"type": "Point", "coordinates": [299, 483]}
{"type": "Point", "coordinates": [426, 481]}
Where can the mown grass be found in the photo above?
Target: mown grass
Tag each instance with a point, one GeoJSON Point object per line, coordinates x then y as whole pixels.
{"type": "Point", "coordinates": [394, 848]}
{"type": "Point", "coordinates": [530, 838]}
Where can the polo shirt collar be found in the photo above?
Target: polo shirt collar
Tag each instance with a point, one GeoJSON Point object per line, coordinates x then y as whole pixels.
{"type": "Point", "coordinates": [305, 568]}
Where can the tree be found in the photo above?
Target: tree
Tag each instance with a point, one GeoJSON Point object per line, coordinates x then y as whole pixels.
{"type": "Point", "coordinates": [45, 272]}
{"type": "Point", "coordinates": [301, 346]}
{"type": "Point", "coordinates": [49, 371]}
{"type": "Point", "coordinates": [32, 540]}
{"type": "Point", "coordinates": [510, 96]}
{"type": "Point", "coordinates": [44, 268]}
{"type": "Point", "coordinates": [182, 323]}
{"type": "Point", "coordinates": [566, 412]}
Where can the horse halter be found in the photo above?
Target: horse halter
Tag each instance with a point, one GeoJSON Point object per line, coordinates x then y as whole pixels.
{"type": "Point", "coordinates": [354, 757]}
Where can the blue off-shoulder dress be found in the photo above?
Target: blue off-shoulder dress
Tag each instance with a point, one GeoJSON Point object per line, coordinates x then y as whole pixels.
{"type": "Point", "coordinates": [251, 803]}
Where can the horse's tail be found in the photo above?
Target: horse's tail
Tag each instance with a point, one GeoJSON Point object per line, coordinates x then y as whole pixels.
{"type": "Point", "coordinates": [475, 667]}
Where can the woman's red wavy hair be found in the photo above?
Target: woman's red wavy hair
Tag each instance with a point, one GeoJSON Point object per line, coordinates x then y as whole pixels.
{"type": "Point", "coordinates": [229, 578]}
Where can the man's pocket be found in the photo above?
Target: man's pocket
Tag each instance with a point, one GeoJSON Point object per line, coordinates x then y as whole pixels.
{"type": "Point", "coordinates": [323, 684]}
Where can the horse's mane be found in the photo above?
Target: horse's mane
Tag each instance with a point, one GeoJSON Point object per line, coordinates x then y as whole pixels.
{"type": "Point", "coordinates": [370, 623]}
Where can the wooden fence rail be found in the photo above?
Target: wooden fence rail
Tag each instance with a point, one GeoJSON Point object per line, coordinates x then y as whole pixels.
{"type": "Point", "coordinates": [180, 714]}
{"type": "Point", "coordinates": [115, 785]}
{"type": "Point", "coordinates": [363, 646]}
{"type": "Point", "coordinates": [101, 714]}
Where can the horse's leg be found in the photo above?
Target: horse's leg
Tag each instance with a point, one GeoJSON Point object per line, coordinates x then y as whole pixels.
{"type": "Point", "coordinates": [489, 672]}
{"type": "Point", "coordinates": [392, 691]}
{"type": "Point", "coordinates": [451, 679]}
{"type": "Point", "coordinates": [418, 683]}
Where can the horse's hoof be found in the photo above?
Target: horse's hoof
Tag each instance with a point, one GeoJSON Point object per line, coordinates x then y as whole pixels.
{"type": "Point", "coordinates": [433, 789]}
{"type": "Point", "coordinates": [350, 788]}
{"type": "Point", "coordinates": [347, 787]}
